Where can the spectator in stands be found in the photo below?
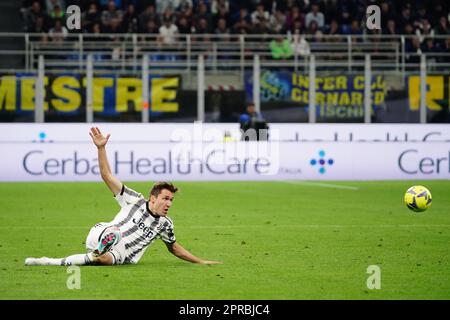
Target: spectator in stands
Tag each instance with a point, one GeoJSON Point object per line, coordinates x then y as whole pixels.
{"type": "Point", "coordinates": [413, 52]}
{"type": "Point", "coordinates": [277, 23]}
{"type": "Point", "coordinates": [293, 15]}
{"type": "Point", "coordinates": [428, 46]}
{"type": "Point", "coordinates": [261, 27]}
{"type": "Point", "coordinates": [96, 30]}
{"type": "Point", "coordinates": [442, 29]}
{"type": "Point", "coordinates": [301, 4]}
{"type": "Point", "coordinates": [31, 16]}
{"type": "Point", "coordinates": [184, 7]}
{"type": "Point", "coordinates": [334, 30]}
{"type": "Point", "coordinates": [112, 17]}
{"type": "Point", "coordinates": [334, 35]}
{"type": "Point", "coordinates": [299, 45]}
{"type": "Point", "coordinates": [330, 10]}
{"type": "Point", "coordinates": [438, 11]}
{"type": "Point", "coordinates": [51, 4]}
{"type": "Point", "coordinates": [90, 17]}
{"type": "Point", "coordinates": [184, 26]}
{"type": "Point", "coordinates": [315, 15]}
{"type": "Point", "coordinates": [146, 16]}
{"type": "Point", "coordinates": [313, 27]}
{"type": "Point", "coordinates": [130, 20]}
{"type": "Point", "coordinates": [222, 28]}
{"type": "Point", "coordinates": [345, 5]}
{"type": "Point", "coordinates": [40, 26]}
{"type": "Point", "coordinates": [168, 14]}
{"type": "Point", "coordinates": [405, 17]}
{"type": "Point", "coordinates": [116, 48]}
{"type": "Point", "coordinates": [345, 18]}
{"type": "Point", "coordinates": [318, 37]}
{"type": "Point", "coordinates": [242, 26]}
{"type": "Point", "coordinates": [104, 3]}
{"type": "Point", "coordinates": [242, 13]}
{"type": "Point", "coordinates": [222, 13]}
{"type": "Point", "coordinates": [408, 30]}
{"type": "Point", "coordinates": [203, 28]}
{"type": "Point", "coordinates": [163, 5]}
{"type": "Point", "coordinates": [203, 13]}
{"type": "Point", "coordinates": [278, 5]}
{"type": "Point", "coordinates": [168, 31]}
{"type": "Point", "coordinates": [96, 34]}
{"type": "Point", "coordinates": [386, 14]}
{"type": "Point", "coordinates": [390, 30]}
{"type": "Point", "coordinates": [424, 30]}
{"type": "Point", "coordinates": [26, 4]}
{"type": "Point", "coordinates": [278, 15]}
{"type": "Point", "coordinates": [141, 5]}
{"type": "Point", "coordinates": [297, 27]}
{"type": "Point", "coordinates": [281, 48]}
{"type": "Point", "coordinates": [421, 14]}
{"type": "Point", "coordinates": [59, 32]}
{"type": "Point", "coordinates": [409, 34]}
{"type": "Point", "coordinates": [56, 14]}
{"type": "Point", "coordinates": [218, 5]}
{"type": "Point", "coordinates": [355, 29]}
{"type": "Point", "coordinates": [151, 27]}
{"type": "Point", "coordinates": [260, 15]}
{"type": "Point", "coordinates": [44, 38]}
{"type": "Point", "coordinates": [114, 26]}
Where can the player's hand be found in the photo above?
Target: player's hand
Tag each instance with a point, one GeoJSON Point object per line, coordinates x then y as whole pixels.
{"type": "Point", "coordinates": [98, 138]}
{"type": "Point", "coordinates": [210, 262]}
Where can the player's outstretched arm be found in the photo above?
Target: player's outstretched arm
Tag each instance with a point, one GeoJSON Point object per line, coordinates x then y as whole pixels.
{"type": "Point", "coordinates": [178, 251]}
{"type": "Point", "coordinates": [100, 141]}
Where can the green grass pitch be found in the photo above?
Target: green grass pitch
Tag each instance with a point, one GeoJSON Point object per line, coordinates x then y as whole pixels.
{"type": "Point", "coordinates": [277, 240]}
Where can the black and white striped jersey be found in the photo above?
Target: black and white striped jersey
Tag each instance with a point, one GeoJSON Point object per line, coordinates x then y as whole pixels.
{"type": "Point", "coordinates": [138, 225]}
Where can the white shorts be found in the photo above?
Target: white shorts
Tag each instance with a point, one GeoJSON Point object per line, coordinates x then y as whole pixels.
{"type": "Point", "coordinates": [92, 241]}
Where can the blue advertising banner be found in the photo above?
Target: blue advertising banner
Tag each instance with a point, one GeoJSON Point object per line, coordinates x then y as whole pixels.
{"type": "Point", "coordinates": [332, 92]}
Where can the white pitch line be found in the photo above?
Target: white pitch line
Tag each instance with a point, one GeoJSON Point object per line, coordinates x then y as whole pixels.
{"type": "Point", "coordinates": [320, 226]}
{"type": "Point", "coordinates": [321, 184]}
{"type": "Point", "coordinates": [262, 226]}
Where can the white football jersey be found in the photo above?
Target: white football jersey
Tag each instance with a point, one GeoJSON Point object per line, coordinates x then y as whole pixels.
{"type": "Point", "coordinates": [138, 225]}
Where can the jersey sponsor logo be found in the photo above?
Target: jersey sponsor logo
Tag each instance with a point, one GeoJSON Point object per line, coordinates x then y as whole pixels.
{"type": "Point", "coordinates": [148, 233]}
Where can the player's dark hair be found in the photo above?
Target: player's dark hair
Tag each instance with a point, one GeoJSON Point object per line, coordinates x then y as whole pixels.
{"type": "Point", "coordinates": [160, 186]}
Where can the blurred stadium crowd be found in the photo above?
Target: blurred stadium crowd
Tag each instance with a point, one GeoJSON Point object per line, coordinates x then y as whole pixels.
{"type": "Point", "coordinates": [238, 16]}
{"type": "Point", "coordinates": [420, 21]}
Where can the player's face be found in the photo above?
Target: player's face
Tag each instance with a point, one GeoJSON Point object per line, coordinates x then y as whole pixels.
{"type": "Point", "coordinates": [162, 203]}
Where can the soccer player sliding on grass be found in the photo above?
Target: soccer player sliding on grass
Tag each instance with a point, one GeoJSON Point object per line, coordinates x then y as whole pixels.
{"type": "Point", "coordinates": [135, 227]}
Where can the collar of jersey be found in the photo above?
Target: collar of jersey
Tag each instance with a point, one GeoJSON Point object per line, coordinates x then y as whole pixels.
{"type": "Point", "coordinates": [148, 210]}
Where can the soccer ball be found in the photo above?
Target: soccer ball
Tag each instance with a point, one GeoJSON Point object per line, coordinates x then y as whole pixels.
{"type": "Point", "coordinates": [418, 198]}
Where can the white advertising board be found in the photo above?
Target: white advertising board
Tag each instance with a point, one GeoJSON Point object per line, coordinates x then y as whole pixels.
{"type": "Point", "coordinates": [47, 152]}
{"type": "Point", "coordinates": [127, 132]}
{"type": "Point", "coordinates": [338, 132]}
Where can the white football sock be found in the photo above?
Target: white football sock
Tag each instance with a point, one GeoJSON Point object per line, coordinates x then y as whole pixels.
{"type": "Point", "coordinates": [77, 260]}
{"type": "Point", "coordinates": [51, 261]}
